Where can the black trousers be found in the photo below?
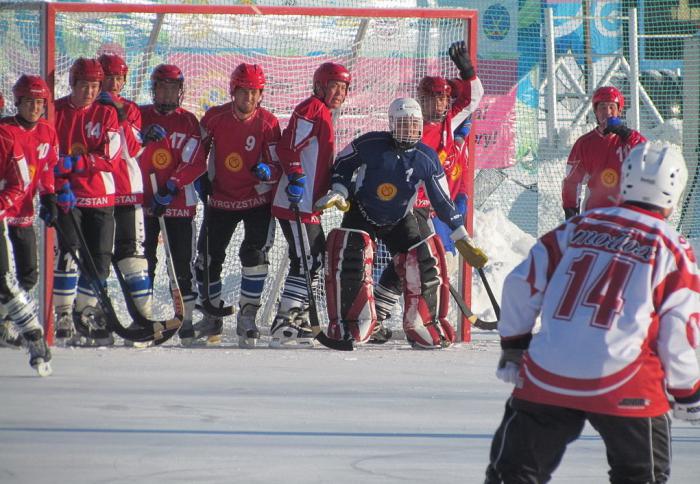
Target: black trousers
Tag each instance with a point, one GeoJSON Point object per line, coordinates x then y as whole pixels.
{"type": "Point", "coordinates": [317, 246]}
{"type": "Point", "coordinates": [25, 251]}
{"type": "Point", "coordinates": [129, 232]}
{"type": "Point", "coordinates": [258, 238]}
{"type": "Point", "coordinates": [97, 226]}
{"type": "Point", "coordinates": [181, 238]}
{"type": "Point", "coordinates": [532, 438]}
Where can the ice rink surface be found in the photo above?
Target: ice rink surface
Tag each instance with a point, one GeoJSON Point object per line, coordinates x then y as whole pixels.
{"type": "Point", "coordinates": [169, 414]}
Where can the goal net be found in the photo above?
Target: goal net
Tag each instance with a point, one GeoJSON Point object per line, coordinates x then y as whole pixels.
{"type": "Point", "coordinates": [386, 50]}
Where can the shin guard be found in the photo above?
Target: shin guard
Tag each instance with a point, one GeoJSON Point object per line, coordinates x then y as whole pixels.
{"type": "Point", "coordinates": [426, 294]}
{"type": "Point", "coordinates": [135, 272]}
{"type": "Point", "coordinates": [349, 258]}
{"type": "Point", "coordinates": [252, 284]}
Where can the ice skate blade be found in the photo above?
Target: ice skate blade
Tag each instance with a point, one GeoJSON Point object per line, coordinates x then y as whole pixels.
{"type": "Point", "coordinates": [247, 343]}
{"type": "Point", "coordinates": [43, 368]}
{"type": "Point", "coordinates": [291, 343]}
{"type": "Point", "coordinates": [214, 340]}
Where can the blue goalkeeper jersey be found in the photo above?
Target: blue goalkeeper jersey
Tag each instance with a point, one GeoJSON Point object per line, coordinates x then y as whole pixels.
{"type": "Point", "coordinates": [387, 178]}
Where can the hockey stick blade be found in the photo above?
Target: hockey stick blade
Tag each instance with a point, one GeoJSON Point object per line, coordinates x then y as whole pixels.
{"type": "Point", "coordinates": [464, 309]}
{"type": "Point", "coordinates": [334, 344]}
{"type": "Point", "coordinates": [156, 335]}
{"type": "Point", "coordinates": [216, 312]}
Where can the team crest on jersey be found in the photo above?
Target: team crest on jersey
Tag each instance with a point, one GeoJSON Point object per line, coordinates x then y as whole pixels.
{"type": "Point", "coordinates": [32, 171]}
{"type": "Point", "coordinates": [609, 178]}
{"type": "Point", "coordinates": [234, 162]}
{"type": "Point", "coordinates": [77, 149]}
{"type": "Point", "coordinates": [456, 172]}
{"type": "Point", "coordinates": [161, 158]}
{"type": "Point", "coordinates": [386, 191]}
{"type": "Point", "coordinates": [443, 156]}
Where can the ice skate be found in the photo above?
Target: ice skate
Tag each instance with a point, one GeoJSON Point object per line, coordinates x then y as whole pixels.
{"type": "Point", "coordinates": [186, 333]}
{"type": "Point", "coordinates": [39, 352]}
{"type": "Point", "coordinates": [9, 338]}
{"type": "Point", "coordinates": [247, 331]}
{"type": "Point", "coordinates": [380, 334]}
{"type": "Point", "coordinates": [210, 328]}
{"type": "Point", "coordinates": [291, 329]}
{"type": "Point", "coordinates": [136, 344]}
{"type": "Point", "coordinates": [92, 326]}
{"type": "Point", "coordinates": [64, 327]}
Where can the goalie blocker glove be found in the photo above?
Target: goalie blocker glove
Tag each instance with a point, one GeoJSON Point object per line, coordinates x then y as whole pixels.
{"type": "Point", "coordinates": [460, 56]}
{"type": "Point", "coordinates": [336, 197]}
{"type": "Point", "coordinates": [474, 256]}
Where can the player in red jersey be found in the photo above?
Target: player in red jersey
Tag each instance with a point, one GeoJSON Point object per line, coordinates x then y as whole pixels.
{"type": "Point", "coordinates": [445, 104]}
{"type": "Point", "coordinates": [618, 293]}
{"type": "Point", "coordinates": [129, 233]}
{"type": "Point", "coordinates": [89, 147]}
{"type": "Point", "coordinates": [596, 157]}
{"type": "Point", "coordinates": [243, 170]}
{"type": "Point", "coordinates": [306, 151]}
{"type": "Point", "coordinates": [37, 138]}
{"type": "Point", "coordinates": [173, 151]}
{"type": "Point", "coordinates": [15, 302]}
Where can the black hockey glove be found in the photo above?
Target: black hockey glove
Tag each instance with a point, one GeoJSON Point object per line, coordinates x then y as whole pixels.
{"type": "Point", "coordinates": [570, 212]}
{"type": "Point", "coordinates": [460, 56]}
{"type": "Point", "coordinates": [616, 126]}
{"type": "Point", "coordinates": [48, 212]}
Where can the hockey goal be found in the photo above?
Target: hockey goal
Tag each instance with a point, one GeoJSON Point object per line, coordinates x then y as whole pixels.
{"type": "Point", "coordinates": [386, 50]}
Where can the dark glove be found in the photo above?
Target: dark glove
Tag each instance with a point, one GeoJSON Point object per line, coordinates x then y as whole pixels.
{"type": "Point", "coordinates": [68, 164]}
{"type": "Point", "coordinates": [107, 99]}
{"type": "Point", "coordinates": [616, 126]}
{"type": "Point", "coordinates": [153, 134]}
{"type": "Point", "coordinates": [460, 56]}
{"type": "Point", "coordinates": [461, 203]}
{"type": "Point", "coordinates": [164, 197]}
{"type": "Point", "coordinates": [570, 212]}
{"type": "Point", "coordinates": [48, 211]}
{"type": "Point", "coordinates": [295, 188]}
{"type": "Point", "coordinates": [65, 198]}
{"type": "Point", "coordinates": [262, 171]}
{"type": "Point", "coordinates": [203, 187]}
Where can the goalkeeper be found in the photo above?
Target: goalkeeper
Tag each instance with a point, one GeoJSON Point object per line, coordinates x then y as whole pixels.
{"type": "Point", "coordinates": [385, 171]}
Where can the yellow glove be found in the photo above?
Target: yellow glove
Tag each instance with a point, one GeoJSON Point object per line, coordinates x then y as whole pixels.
{"type": "Point", "coordinates": [474, 256]}
{"type": "Point", "coordinates": [334, 198]}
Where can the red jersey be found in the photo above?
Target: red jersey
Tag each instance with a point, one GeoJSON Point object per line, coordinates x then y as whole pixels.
{"type": "Point", "coordinates": [128, 181]}
{"type": "Point", "coordinates": [235, 147]}
{"type": "Point", "coordinates": [92, 131]}
{"type": "Point", "coordinates": [178, 157]}
{"type": "Point", "coordinates": [307, 146]}
{"type": "Point", "coordinates": [595, 159]}
{"type": "Point", "coordinates": [439, 136]}
{"type": "Point", "coordinates": [40, 147]}
{"type": "Point", "coordinates": [618, 292]}
{"type": "Point", "coordinates": [14, 172]}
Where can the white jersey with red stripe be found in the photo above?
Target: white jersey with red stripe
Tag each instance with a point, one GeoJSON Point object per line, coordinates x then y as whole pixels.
{"type": "Point", "coordinates": [235, 147]}
{"type": "Point", "coordinates": [178, 157]}
{"type": "Point", "coordinates": [307, 146]}
{"type": "Point", "coordinates": [618, 291]}
{"type": "Point", "coordinates": [127, 173]}
{"type": "Point", "coordinates": [92, 131]}
{"type": "Point", "coordinates": [40, 147]}
{"type": "Point", "coordinates": [14, 172]}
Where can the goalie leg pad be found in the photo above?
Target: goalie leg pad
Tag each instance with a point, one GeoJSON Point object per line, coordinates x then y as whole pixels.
{"type": "Point", "coordinates": [351, 310]}
{"type": "Point", "coordinates": [135, 272]}
{"type": "Point", "coordinates": [425, 298]}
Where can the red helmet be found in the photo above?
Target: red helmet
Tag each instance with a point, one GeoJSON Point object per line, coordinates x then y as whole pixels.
{"type": "Point", "coordinates": [30, 86]}
{"type": "Point", "coordinates": [431, 85]}
{"type": "Point", "coordinates": [85, 70]}
{"type": "Point", "coordinates": [608, 94]}
{"type": "Point", "coordinates": [113, 65]}
{"type": "Point", "coordinates": [167, 73]}
{"type": "Point", "coordinates": [330, 71]}
{"type": "Point", "coordinates": [249, 76]}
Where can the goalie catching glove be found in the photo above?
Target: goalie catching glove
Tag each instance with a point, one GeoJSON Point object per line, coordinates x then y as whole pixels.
{"type": "Point", "coordinates": [474, 256]}
{"type": "Point", "coordinates": [336, 197]}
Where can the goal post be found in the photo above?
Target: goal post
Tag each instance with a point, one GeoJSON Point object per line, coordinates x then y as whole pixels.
{"type": "Point", "coordinates": [387, 51]}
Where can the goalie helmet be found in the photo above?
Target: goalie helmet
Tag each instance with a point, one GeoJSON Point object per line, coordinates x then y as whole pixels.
{"type": "Point", "coordinates": [167, 73]}
{"type": "Point", "coordinates": [248, 76]}
{"type": "Point", "coordinates": [330, 71]}
{"type": "Point", "coordinates": [113, 65]}
{"type": "Point", "coordinates": [85, 70]}
{"type": "Point", "coordinates": [654, 173]}
{"type": "Point", "coordinates": [30, 86]}
{"type": "Point", "coordinates": [405, 121]}
{"type": "Point", "coordinates": [608, 94]}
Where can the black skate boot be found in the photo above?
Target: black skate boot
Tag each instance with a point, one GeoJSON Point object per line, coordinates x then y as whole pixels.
{"type": "Point", "coordinates": [211, 328]}
{"type": "Point", "coordinates": [247, 331]}
{"type": "Point", "coordinates": [39, 352]}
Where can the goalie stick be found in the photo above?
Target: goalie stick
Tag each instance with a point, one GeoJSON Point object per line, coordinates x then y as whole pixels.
{"type": "Point", "coordinates": [341, 345]}
{"type": "Point", "coordinates": [158, 332]}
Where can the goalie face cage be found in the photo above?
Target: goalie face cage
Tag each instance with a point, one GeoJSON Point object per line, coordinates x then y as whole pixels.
{"type": "Point", "coordinates": [387, 52]}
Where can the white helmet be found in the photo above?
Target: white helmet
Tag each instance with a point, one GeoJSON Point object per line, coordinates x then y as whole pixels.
{"type": "Point", "coordinates": [654, 173]}
{"type": "Point", "coordinates": [406, 121]}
